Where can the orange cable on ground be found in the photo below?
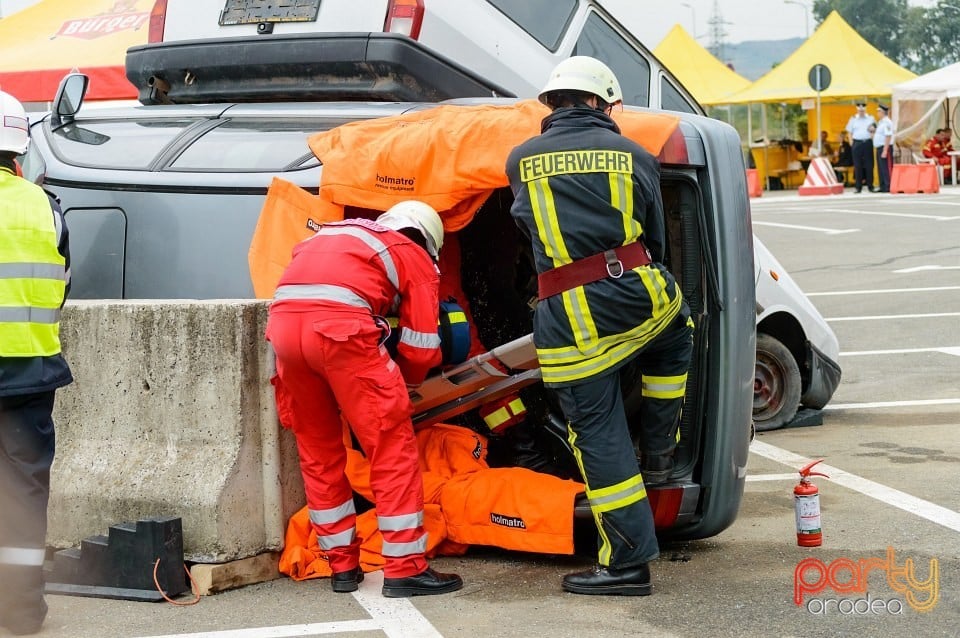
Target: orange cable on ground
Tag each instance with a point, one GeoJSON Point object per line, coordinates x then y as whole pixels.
{"type": "Point", "coordinates": [193, 588]}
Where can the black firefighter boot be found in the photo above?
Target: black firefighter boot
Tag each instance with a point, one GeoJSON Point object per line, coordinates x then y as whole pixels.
{"type": "Point", "coordinates": [656, 468]}
{"type": "Point", "coordinates": [600, 580]}
{"type": "Point", "coordinates": [524, 450]}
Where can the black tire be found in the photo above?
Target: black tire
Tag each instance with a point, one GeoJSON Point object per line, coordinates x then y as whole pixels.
{"type": "Point", "coordinates": [776, 384]}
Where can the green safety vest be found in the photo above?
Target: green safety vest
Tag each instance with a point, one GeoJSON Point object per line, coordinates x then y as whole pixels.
{"type": "Point", "coordinates": [32, 277]}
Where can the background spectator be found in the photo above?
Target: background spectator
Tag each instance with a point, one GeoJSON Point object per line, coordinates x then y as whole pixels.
{"type": "Point", "coordinates": [823, 148]}
{"type": "Point", "coordinates": [861, 128]}
{"type": "Point", "coordinates": [882, 138]}
{"type": "Point", "coordinates": [938, 147]}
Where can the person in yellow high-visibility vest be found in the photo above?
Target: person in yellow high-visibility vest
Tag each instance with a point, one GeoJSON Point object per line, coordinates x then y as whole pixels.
{"type": "Point", "coordinates": [34, 281]}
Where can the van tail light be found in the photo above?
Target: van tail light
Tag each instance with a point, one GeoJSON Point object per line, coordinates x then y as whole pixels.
{"type": "Point", "coordinates": [675, 150]}
{"type": "Point", "coordinates": [404, 17]}
{"type": "Point", "coordinates": [665, 503]}
{"type": "Point", "coordinates": [158, 17]}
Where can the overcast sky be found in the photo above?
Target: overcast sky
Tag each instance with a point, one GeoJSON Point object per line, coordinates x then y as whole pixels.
{"type": "Point", "coordinates": [744, 20]}
{"type": "Point", "coordinates": [9, 6]}
{"type": "Point", "coordinates": [650, 20]}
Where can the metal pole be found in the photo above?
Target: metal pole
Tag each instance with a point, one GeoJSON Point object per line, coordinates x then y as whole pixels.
{"type": "Point", "coordinates": [819, 84]}
{"type": "Point", "coordinates": [766, 142]}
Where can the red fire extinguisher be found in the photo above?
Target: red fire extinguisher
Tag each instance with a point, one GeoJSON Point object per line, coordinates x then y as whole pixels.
{"type": "Point", "coordinates": [806, 501]}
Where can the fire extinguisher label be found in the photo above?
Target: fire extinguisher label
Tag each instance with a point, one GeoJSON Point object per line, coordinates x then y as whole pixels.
{"type": "Point", "coordinates": [808, 514]}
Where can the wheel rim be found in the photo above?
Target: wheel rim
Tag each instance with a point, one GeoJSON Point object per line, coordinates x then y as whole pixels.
{"type": "Point", "coordinates": [768, 387]}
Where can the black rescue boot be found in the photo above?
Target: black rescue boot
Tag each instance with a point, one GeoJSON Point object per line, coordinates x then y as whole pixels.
{"type": "Point", "coordinates": [606, 581]}
{"type": "Point", "coordinates": [348, 581]}
{"type": "Point", "coordinates": [525, 451]}
{"type": "Point", "coordinates": [426, 583]}
{"type": "Point", "coordinates": [656, 468]}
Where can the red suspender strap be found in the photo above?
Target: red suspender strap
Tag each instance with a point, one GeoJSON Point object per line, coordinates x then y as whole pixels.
{"type": "Point", "coordinates": [610, 263]}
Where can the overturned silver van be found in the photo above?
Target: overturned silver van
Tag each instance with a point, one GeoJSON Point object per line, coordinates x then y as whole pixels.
{"type": "Point", "coordinates": [162, 201]}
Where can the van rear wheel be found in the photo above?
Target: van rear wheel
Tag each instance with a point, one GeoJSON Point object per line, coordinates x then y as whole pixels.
{"type": "Point", "coordinates": [776, 384]}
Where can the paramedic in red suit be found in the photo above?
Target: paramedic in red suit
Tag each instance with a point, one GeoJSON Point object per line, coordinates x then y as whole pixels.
{"type": "Point", "coordinates": [327, 330]}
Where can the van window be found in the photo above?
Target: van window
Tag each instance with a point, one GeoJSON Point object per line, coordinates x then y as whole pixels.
{"type": "Point", "coordinates": [118, 144]}
{"type": "Point", "coordinates": [600, 40]}
{"type": "Point", "coordinates": [252, 145]}
{"type": "Point", "coordinates": [545, 20]}
{"type": "Point", "coordinates": [672, 99]}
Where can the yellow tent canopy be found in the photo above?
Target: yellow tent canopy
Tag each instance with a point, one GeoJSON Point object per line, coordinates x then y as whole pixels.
{"type": "Point", "coordinates": [42, 43]}
{"type": "Point", "coordinates": [857, 69]}
{"type": "Point", "coordinates": [709, 79]}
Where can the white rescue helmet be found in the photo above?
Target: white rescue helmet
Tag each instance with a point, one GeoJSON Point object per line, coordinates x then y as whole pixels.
{"type": "Point", "coordinates": [14, 127]}
{"type": "Point", "coordinates": [417, 215]}
{"type": "Point", "coordinates": [583, 73]}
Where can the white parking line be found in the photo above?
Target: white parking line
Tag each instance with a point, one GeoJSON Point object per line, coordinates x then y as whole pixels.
{"type": "Point", "coordinates": [398, 617]}
{"type": "Point", "coordinates": [890, 404]}
{"type": "Point", "coordinates": [753, 478]}
{"type": "Point", "coordinates": [880, 291]}
{"type": "Point", "coordinates": [826, 231]}
{"type": "Point", "coordinates": [888, 495]}
{"type": "Point", "coordinates": [885, 317]}
{"type": "Point", "coordinates": [848, 211]}
{"type": "Point", "coordinates": [285, 631]}
{"type": "Point", "coordinates": [862, 353]}
{"type": "Point", "coordinates": [931, 267]}
{"type": "Point", "coordinates": [395, 617]}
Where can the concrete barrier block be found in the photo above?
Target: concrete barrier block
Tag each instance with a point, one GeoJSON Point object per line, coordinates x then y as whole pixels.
{"type": "Point", "coordinates": [171, 414]}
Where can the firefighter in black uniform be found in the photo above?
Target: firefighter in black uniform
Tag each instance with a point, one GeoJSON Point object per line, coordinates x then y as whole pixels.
{"type": "Point", "coordinates": [34, 279]}
{"type": "Point", "coordinates": [590, 200]}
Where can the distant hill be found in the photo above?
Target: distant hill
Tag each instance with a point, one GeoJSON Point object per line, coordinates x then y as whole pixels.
{"type": "Point", "coordinates": [754, 58]}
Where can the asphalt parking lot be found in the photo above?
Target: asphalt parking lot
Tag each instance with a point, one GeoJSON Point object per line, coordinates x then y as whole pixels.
{"type": "Point", "coordinates": [884, 270]}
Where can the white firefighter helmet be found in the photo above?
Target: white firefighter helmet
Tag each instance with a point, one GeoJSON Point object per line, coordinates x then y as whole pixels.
{"type": "Point", "coordinates": [583, 73]}
{"type": "Point", "coordinates": [417, 215]}
{"type": "Point", "coordinates": [14, 128]}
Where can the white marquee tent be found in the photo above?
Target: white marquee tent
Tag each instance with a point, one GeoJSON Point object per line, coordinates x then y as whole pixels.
{"type": "Point", "coordinates": [926, 103]}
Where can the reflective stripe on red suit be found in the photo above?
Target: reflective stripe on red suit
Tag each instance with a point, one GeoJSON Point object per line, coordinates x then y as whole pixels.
{"type": "Point", "coordinates": [327, 339]}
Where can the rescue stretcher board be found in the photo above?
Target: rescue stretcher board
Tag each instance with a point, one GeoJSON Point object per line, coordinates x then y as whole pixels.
{"type": "Point", "coordinates": [476, 381]}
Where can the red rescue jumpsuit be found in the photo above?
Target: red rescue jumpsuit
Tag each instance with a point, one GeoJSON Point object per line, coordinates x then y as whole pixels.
{"type": "Point", "coordinates": [326, 330]}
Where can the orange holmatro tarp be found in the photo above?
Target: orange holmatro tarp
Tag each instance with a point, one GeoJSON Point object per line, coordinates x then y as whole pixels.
{"type": "Point", "coordinates": [451, 157]}
{"type": "Point", "coordinates": [466, 502]}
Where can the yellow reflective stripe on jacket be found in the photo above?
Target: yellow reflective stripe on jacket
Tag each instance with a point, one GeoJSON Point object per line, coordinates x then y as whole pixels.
{"type": "Point", "coordinates": [548, 228]}
{"type": "Point", "coordinates": [656, 287]}
{"type": "Point", "coordinates": [32, 271]}
{"type": "Point", "coordinates": [571, 354]}
{"type": "Point", "coordinates": [663, 387]}
{"type": "Point", "coordinates": [559, 365]}
{"type": "Point", "coordinates": [498, 417]}
{"type": "Point", "coordinates": [581, 321]}
{"type": "Point", "coordinates": [621, 196]}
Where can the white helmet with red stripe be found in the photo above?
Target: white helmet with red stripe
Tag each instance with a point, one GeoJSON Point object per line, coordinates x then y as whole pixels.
{"type": "Point", "coordinates": [419, 216]}
{"type": "Point", "coordinates": [14, 128]}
